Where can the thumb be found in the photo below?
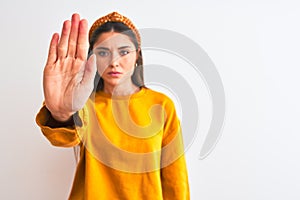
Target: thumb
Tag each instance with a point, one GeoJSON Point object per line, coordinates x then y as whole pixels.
{"type": "Point", "coordinates": [90, 70]}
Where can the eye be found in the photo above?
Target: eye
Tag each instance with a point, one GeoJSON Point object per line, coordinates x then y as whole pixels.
{"type": "Point", "coordinates": [124, 52]}
{"type": "Point", "coordinates": [103, 53]}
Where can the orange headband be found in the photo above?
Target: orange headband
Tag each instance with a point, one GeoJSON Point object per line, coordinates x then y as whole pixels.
{"type": "Point", "coordinates": [115, 17]}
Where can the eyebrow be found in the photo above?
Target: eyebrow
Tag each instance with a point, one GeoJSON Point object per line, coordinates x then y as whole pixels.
{"type": "Point", "coordinates": [105, 48]}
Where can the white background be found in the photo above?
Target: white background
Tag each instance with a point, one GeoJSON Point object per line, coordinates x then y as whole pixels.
{"type": "Point", "coordinates": [255, 47]}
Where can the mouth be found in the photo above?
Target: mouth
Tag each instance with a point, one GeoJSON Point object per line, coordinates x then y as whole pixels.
{"type": "Point", "coordinates": [114, 74]}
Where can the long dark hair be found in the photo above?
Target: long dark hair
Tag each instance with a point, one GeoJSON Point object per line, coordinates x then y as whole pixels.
{"type": "Point", "coordinates": [118, 27]}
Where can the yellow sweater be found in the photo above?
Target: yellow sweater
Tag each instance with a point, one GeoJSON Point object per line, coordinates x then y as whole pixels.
{"type": "Point", "coordinates": [130, 148]}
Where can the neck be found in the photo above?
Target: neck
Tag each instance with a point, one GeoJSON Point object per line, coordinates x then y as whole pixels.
{"type": "Point", "coordinates": [123, 89]}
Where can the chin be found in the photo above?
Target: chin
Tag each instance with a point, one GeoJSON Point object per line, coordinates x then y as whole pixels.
{"type": "Point", "coordinates": [113, 83]}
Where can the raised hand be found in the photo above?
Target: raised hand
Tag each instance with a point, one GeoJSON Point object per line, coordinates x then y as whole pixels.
{"type": "Point", "coordinates": [68, 75]}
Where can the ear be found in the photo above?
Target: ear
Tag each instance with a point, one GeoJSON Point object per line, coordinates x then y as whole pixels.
{"type": "Point", "coordinates": [138, 51]}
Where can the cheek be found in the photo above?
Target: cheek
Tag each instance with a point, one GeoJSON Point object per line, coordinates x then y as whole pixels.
{"type": "Point", "coordinates": [129, 62]}
{"type": "Point", "coordinates": [101, 67]}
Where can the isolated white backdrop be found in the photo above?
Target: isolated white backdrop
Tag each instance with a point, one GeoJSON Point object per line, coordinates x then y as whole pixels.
{"type": "Point", "coordinates": [255, 46]}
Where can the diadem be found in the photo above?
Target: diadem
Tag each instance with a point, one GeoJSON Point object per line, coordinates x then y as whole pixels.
{"type": "Point", "coordinates": [115, 17]}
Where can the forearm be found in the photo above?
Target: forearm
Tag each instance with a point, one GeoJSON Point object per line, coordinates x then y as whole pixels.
{"type": "Point", "coordinates": [174, 178]}
{"type": "Point", "coordinates": [62, 134]}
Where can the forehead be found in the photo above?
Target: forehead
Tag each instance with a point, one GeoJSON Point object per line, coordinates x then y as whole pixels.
{"type": "Point", "coordinates": [113, 39]}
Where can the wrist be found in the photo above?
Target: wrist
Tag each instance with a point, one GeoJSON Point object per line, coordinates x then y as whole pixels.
{"type": "Point", "coordinates": [62, 117]}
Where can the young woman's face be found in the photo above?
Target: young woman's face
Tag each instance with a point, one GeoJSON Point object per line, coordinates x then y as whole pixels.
{"type": "Point", "coordinates": [116, 57]}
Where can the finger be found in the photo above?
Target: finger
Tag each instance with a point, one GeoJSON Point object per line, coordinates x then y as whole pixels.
{"type": "Point", "coordinates": [82, 43]}
{"type": "Point", "coordinates": [63, 42]}
{"type": "Point", "coordinates": [52, 54]}
{"type": "Point", "coordinates": [73, 35]}
{"type": "Point", "coordinates": [90, 71]}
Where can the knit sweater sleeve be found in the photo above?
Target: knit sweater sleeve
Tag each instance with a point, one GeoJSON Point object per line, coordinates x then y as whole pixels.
{"type": "Point", "coordinates": [61, 134]}
{"type": "Point", "coordinates": [174, 175]}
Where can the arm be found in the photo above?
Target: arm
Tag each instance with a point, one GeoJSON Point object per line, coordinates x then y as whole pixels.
{"type": "Point", "coordinates": [174, 175]}
{"type": "Point", "coordinates": [61, 134]}
{"type": "Point", "coordinates": [68, 81]}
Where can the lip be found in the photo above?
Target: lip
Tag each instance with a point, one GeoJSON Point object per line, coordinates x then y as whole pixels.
{"type": "Point", "coordinates": [114, 74]}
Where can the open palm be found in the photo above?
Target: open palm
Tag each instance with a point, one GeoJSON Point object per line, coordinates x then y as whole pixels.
{"type": "Point", "coordinates": [68, 75]}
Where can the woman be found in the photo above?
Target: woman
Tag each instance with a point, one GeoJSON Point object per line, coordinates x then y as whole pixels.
{"type": "Point", "coordinates": [129, 135]}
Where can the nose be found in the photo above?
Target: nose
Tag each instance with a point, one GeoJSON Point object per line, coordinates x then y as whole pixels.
{"type": "Point", "coordinates": [115, 59]}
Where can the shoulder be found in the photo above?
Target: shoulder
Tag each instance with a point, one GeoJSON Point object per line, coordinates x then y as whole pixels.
{"type": "Point", "coordinates": [156, 94]}
{"type": "Point", "coordinates": [159, 97]}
